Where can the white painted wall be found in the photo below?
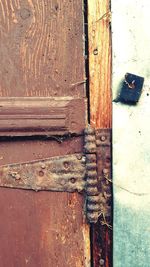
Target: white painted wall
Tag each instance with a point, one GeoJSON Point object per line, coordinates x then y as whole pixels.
{"type": "Point", "coordinates": [131, 135]}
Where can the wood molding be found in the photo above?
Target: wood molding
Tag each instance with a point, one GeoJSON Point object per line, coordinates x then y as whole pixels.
{"type": "Point", "coordinates": [28, 116]}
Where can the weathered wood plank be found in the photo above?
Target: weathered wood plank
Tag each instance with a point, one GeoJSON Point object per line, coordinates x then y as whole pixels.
{"type": "Point", "coordinates": [100, 62]}
{"type": "Point", "coordinates": [42, 55]}
{"type": "Point", "coordinates": [42, 228]}
{"type": "Point", "coordinates": [40, 42]}
{"type": "Point", "coordinates": [100, 104]}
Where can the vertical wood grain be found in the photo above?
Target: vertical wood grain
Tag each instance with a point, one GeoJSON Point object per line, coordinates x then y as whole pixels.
{"type": "Point", "coordinates": [40, 42]}
{"type": "Point", "coordinates": [99, 62]}
{"type": "Point", "coordinates": [42, 54]}
{"type": "Point", "coordinates": [99, 36]}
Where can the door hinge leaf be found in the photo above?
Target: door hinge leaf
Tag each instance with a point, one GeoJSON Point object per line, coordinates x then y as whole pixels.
{"type": "Point", "coordinates": [89, 171]}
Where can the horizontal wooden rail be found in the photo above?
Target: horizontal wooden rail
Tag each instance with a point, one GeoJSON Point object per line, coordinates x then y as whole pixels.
{"type": "Point", "coordinates": [26, 116]}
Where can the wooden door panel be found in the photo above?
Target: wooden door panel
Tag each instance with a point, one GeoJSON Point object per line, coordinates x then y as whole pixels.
{"type": "Point", "coordinates": [36, 231]}
{"type": "Point", "coordinates": [41, 48]}
{"type": "Point", "coordinates": [42, 55]}
{"type": "Point", "coordinates": [41, 228]}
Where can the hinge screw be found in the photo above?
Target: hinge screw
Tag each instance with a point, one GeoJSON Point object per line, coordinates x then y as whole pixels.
{"type": "Point", "coordinates": [101, 262]}
{"type": "Point", "coordinates": [43, 166]}
{"type": "Point", "coordinates": [103, 138]}
{"type": "Point", "coordinates": [73, 180]}
{"type": "Point", "coordinates": [79, 157]}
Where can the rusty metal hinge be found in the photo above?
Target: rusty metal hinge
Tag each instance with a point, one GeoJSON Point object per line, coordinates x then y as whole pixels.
{"type": "Point", "coordinates": [87, 172]}
{"type": "Point", "coordinates": [98, 174]}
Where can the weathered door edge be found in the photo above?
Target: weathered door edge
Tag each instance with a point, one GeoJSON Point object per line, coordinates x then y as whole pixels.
{"type": "Point", "coordinates": [99, 40]}
{"type": "Point", "coordinates": [131, 131]}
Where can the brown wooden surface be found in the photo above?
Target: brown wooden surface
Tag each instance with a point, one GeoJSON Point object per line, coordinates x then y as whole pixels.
{"type": "Point", "coordinates": [41, 48]}
{"type": "Point", "coordinates": [100, 104]}
{"type": "Point", "coordinates": [41, 54]}
{"type": "Point", "coordinates": [30, 116]}
{"type": "Point", "coordinates": [44, 228]}
{"type": "Point", "coordinates": [100, 62]}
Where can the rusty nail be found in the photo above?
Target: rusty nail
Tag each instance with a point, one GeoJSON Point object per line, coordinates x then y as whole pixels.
{"type": "Point", "coordinates": [95, 51]}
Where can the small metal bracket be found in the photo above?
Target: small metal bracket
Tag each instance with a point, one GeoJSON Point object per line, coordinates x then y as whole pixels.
{"type": "Point", "coordinates": [88, 171]}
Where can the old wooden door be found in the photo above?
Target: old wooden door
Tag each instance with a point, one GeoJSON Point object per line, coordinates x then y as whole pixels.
{"type": "Point", "coordinates": [42, 115]}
